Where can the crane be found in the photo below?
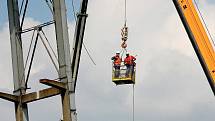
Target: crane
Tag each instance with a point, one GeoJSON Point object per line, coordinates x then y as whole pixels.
{"type": "Point", "coordinates": [198, 36]}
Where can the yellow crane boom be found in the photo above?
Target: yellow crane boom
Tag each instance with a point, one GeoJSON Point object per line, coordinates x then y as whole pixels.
{"type": "Point", "coordinates": [198, 37]}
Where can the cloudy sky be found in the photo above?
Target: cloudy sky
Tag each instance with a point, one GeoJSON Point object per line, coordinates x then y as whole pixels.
{"type": "Point", "coordinates": [171, 85]}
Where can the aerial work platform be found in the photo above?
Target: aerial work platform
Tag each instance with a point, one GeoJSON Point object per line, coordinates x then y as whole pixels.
{"type": "Point", "coordinates": [123, 75]}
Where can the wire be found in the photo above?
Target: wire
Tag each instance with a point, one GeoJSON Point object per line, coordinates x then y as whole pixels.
{"type": "Point", "coordinates": [21, 6]}
{"type": "Point", "coordinates": [47, 2]}
{"type": "Point", "coordinates": [55, 65]}
{"type": "Point", "coordinates": [24, 13]}
{"type": "Point", "coordinates": [133, 104]}
{"type": "Point", "coordinates": [125, 12]}
{"type": "Point", "coordinates": [26, 61]}
{"type": "Point", "coordinates": [74, 14]}
{"type": "Point", "coordinates": [49, 45]}
{"type": "Point", "coordinates": [32, 58]}
{"type": "Point", "coordinates": [89, 54]}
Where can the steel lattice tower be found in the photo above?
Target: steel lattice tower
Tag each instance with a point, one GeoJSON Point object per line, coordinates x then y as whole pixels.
{"type": "Point", "coordinates": [68, 66]}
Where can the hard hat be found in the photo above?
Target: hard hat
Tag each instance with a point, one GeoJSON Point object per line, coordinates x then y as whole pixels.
{"type": "Point", "coordinates": [117, 52]}
{"type": "Point", "coordinates": [127, 53]}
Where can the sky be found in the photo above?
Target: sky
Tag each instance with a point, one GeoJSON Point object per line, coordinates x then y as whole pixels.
{"type": "Point", "coordinates": [170, 83]}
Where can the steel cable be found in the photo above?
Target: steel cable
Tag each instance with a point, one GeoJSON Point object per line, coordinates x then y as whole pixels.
{"type": "Point", "coordinates": [49, 53]}
{"type": "Point", "coordinates": [133, 111]}
{"type": "Point", "coordinates": [49, 44]}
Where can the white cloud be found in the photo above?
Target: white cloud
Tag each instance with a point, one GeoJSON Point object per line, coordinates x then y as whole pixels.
{"type": "Point", "coordinates": [5, 65]}
{"type": "Point", "coordinates": [170, 82]}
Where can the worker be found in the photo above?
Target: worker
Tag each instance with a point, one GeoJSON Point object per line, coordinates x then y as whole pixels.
{"type": "Point", "coordinates": [129, 62]}
{"type": "Point", "coordinates": [117, 63]}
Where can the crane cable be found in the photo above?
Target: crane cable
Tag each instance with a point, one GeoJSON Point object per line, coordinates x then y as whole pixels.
{"type": "Point", "coordinates": [133, 105]}
{"type": "Point", "coordinates": [125, 12]}
{"type": "Point", "coordinates": [124, 30]}
{"type": "Point", "coordinates": [124, 34]}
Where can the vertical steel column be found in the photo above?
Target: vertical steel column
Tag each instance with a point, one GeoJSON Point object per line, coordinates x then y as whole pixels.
{"type": "Point", "coordinates": [76, 53]}
{"type": "Point", "coordinates": [21, 110]}
{"type": "Point", "coordinates": [63, 48]}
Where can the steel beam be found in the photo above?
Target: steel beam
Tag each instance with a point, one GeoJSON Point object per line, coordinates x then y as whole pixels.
{"type": "Point", "coordinates": [56, 84]}
{"type": "Point", "coordinates": [21, 110]}
{"type": "Point", "coordinates": [76, 53]}
{"type": "Point", "coordinates": [63, 47]}
{"type": "Point", "coordinates": [78, 41]}
{"type": "Point", "coordinates": [42, 94]}
{"type": "Point", "coordinates": [9, 97]}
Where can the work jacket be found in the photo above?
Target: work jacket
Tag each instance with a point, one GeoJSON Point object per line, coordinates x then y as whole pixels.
{"type": "Point", "coordinates": [129, 60]}
{"type": "Point", "coordinates": [117, 60]}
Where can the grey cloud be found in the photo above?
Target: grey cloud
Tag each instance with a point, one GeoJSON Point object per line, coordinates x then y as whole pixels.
{"type": "Point", "coordinates": [170, 82]}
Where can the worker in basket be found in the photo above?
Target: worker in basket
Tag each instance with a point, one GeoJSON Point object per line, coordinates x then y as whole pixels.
{"type": "Point", "coordinates": [117, 63]}
{"type": "Point", "coordinates": [129, 62]}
